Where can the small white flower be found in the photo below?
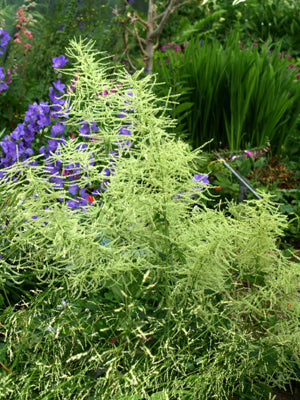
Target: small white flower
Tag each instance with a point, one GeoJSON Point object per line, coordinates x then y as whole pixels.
{"type": "Point", "coordinates": [50, 329]}
{"type": "Point", "coordinates": [62, 305]}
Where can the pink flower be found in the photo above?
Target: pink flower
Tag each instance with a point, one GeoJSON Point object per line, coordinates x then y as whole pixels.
{"type": "Point", "coordinates": [27, 45]}
{"type": "Point", "coordinates": [254, 44]}
{"type": "Point", "coordinates": [17, 34]}
{"type": "Point", "coordinates": [17, 41]}
{"type": "Point", "coordinates": [28, 34]}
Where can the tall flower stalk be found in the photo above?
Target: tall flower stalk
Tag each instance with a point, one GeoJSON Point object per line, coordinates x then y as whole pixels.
{"type": "Point", "coordinates": [21, 38]}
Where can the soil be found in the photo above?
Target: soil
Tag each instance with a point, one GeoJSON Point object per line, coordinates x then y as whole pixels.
{"type": "Point", "coordinates": [281, 394]}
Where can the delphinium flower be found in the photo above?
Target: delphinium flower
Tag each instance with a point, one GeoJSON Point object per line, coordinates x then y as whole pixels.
{"type": "Point", "coordinates": [67, 177]}
{"type": "Point", "coordinates": [3, 85]}
{"type": "Point", "coordinates": [201, 179]}
{"type": "Point", "coordinates": [4, 39]}
{"type": "Point", "coordinates": [59, 62]}
{"type": "Point", "coordinates": [18, 143]}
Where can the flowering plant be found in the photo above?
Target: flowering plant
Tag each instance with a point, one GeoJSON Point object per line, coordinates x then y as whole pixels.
{"type": "Point", "coordinates": [4, 39]}
{"type": "Point", "coordinates": [141, 271]}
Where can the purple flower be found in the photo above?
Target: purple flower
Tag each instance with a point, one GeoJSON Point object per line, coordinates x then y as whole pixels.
{"type": "Point", "coordinates": [18, 132]}
{"type": "Point", "coordinates": [52, 145]}
{"type": "Point", "coordinates": [59, 86]}
{"type": "Point", "coordinates": [43, 120]}
{"type": "Point", "coordinates": [86, 128]}
{"type": "Point", "coordinates": [203, 178]}
{"type": "Point", "coordinates": [1, 73]}
{"type": "Point", "coordinates": [124, 131]}
{"type": "Point", "coordinates": [123, 144]}
{"type": "Point", "coordinates": [71, 203]}
{"type": "Point", "coordinates": [59, 62]}
{"type": "Point", "coordinates": [3, 86]}
{"type": "Point", "coordinates": [73, 189]}
{"type": "Point", "coordinates": [113, 155]}
{"type": "Point", "coordinates": [4, 39]}
{"type": "Point", "coordinates": [57, 129]}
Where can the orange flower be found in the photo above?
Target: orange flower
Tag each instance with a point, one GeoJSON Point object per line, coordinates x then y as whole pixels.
{"type": "Point", "coordinates": [91, 199]}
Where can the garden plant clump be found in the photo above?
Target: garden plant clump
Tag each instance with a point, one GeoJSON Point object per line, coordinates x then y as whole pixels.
{"type": "Point", "coordinates": [224, 100]}
{"type": "Point", "coordinates": [144, 292]}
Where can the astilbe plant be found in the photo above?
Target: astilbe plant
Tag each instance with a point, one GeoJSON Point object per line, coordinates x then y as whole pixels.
{"type": "Point", "coordinates": [148, 294]}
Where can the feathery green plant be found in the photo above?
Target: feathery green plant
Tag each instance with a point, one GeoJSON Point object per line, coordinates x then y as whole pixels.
{"type": "Point", "coordinates": [178, 302]}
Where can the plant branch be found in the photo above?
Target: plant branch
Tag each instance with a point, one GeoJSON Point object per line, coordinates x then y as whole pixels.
{"type": "Point", "coordinates": [164, 17]}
